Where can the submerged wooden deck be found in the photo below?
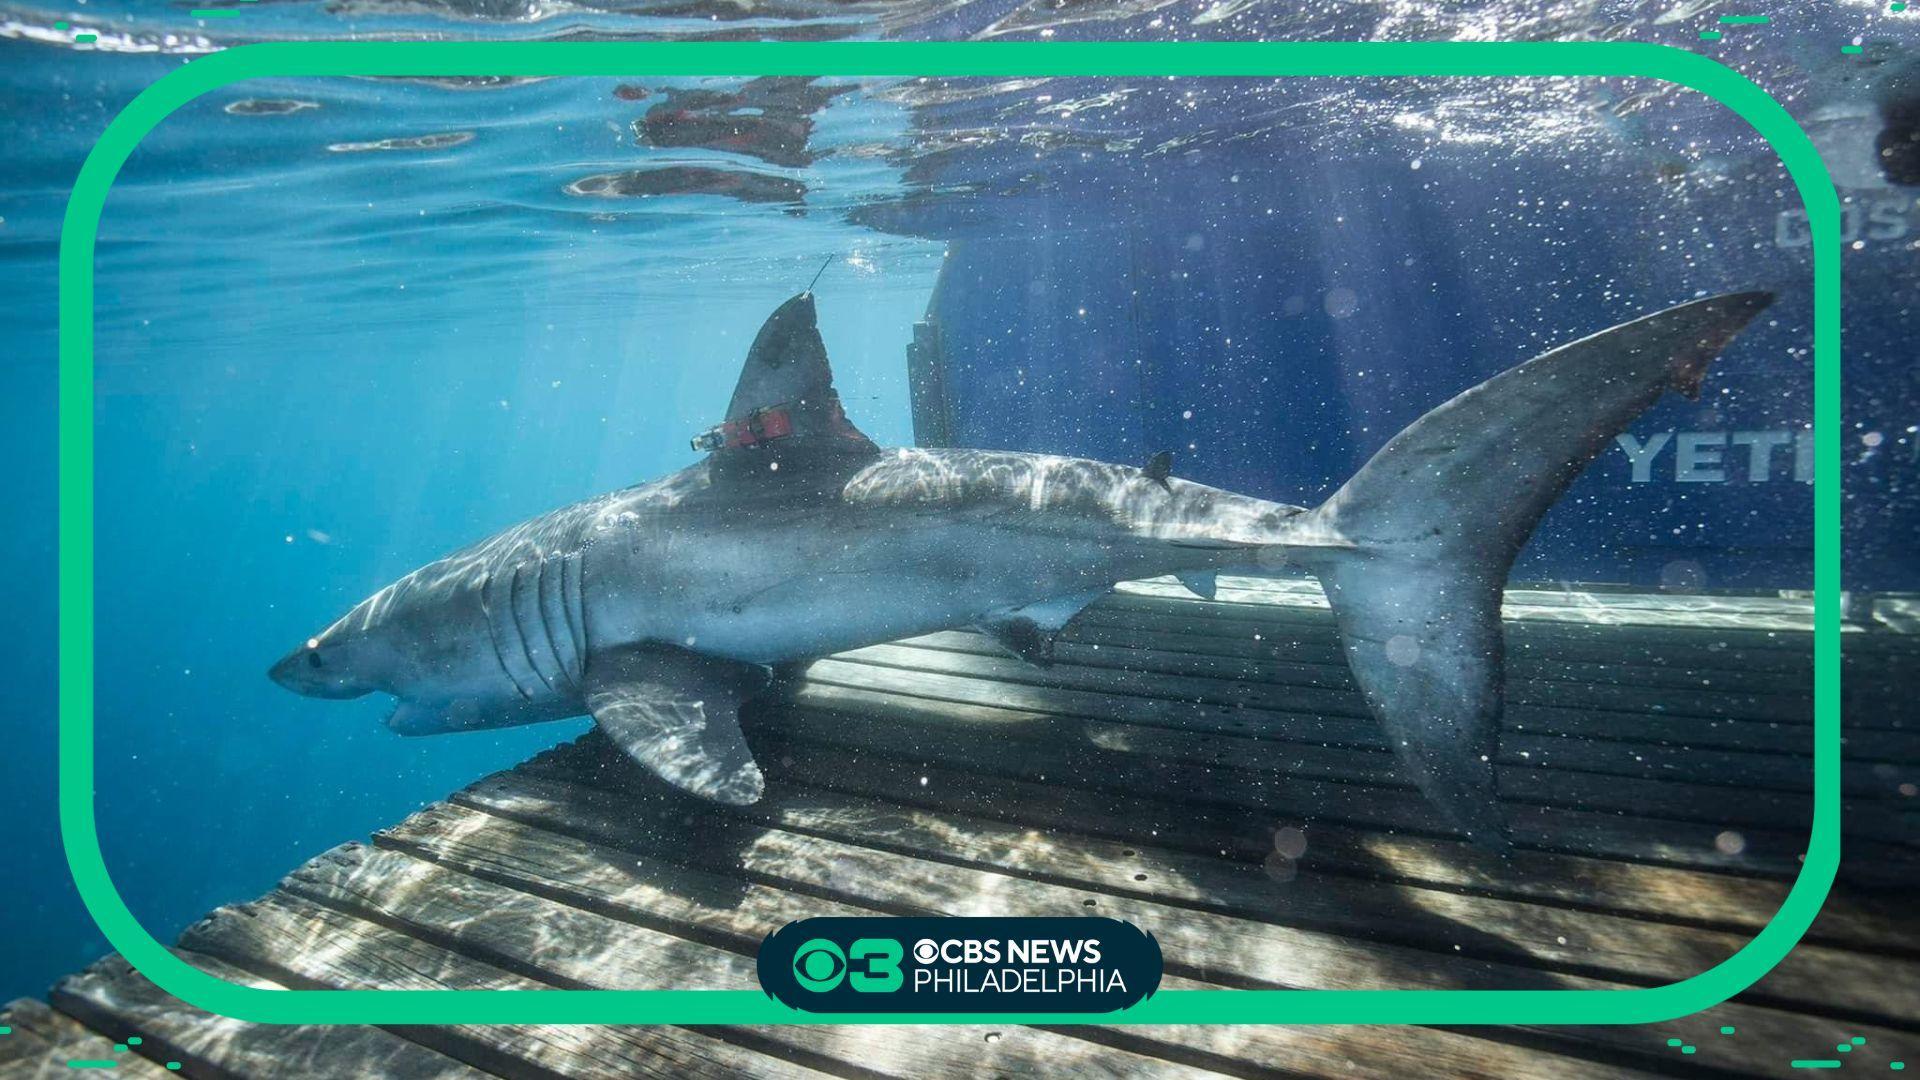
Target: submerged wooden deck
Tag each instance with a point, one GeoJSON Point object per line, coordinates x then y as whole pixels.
{"type": "Point", "coordinates": [1202, 769]}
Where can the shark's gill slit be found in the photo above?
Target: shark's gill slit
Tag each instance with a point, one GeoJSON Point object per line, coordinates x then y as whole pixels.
{"type": "Point", "coordinates": [548, 589]}
{"type": "Point", "coordinates": [499, 619]}
{"type": "Point", "coordinates": [522, 617]}
{"type": "Point", "coordinates": [577, 612]}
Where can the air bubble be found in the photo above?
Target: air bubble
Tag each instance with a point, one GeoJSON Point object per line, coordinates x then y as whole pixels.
{"type": "Point", "coordinates": [1280, 868]}
{"type": "Point", "coordinates": [1290, 841]}
{"type": "Point", "coordinates": [1403, 650]}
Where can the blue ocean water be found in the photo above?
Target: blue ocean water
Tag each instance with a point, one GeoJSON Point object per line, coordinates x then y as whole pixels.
{"type": "Point", "coordinates": [347, 325]}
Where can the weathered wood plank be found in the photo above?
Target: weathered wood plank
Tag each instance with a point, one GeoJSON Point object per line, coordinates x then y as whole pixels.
{"type": "Point", "coordinates": [1607, 946]}
{"type": "Point", "coordinates": [1318, 657]}
{"type": "Point", "coordinates": [111, 996]}
{"type": "Point", "coordinates": [1533, 737]}
{"type": "Point", "coordinates": [305, 945]}
{"type": "Point", "coordinates": [1890, 630]}
{"type": "Point", "coordinates": [41, 1042]}
{"type": "Point", "coordinates": [1597, 600]}
{"type": "Point", "coordinates": [1544, 622]}
{"type": "Point", "coordinates": [1661, 893]}
{"type": "Point", "coordinates": [1326, 687]}
{"type": "Point", "coordinates": [1543, 937]}
{"type": "Point", "coordinates": [1236, 659]}
{"type": "Point", "coordinates": [621, 817]}
{"type": "Point", "coordinates": [1198, 945]}
{"type": "Point", "coordinates": [1196, 940]}
{"type": "Point", "coordinates": [572, 946]}
{"type": "Point", "coordinates": [1339, 714]}
{"type": "Point", "coordinates": [1674, 694]}
{"type": "Point", "coordinates": [1867, 681]}
{"type": "Point", "coordinates": [1290, 587]}
{"type": "Point", "coordinates": [670, 894]}
{"type": "Point", "coordinates": [1876, 666]}
{"type": "Point", "coordinates": [1888, 817]}
{"type": "Point", "coordinates": [1244, 690]}
{"type": "Point", "coordinates": [1641, 611]}
{"type": "Point", "coordinates": [1705, 648]}
{"type": "Point", "coordinates": [1017, 744]}
{"type": "Point", "coordinates": [987, 684]}
{"type": "Point", "coordinates": [1316, 640]}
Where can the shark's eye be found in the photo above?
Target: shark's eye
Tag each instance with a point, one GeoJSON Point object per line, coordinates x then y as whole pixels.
{"type": "Point", "coordinates": [313, 658]}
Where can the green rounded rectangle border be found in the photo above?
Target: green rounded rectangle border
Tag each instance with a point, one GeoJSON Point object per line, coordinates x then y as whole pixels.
{"type": "Point", "coordinates": [942, 59]}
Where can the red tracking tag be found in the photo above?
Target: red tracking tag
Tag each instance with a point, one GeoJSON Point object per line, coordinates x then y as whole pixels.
{"type": "Point", "coordinates": [765, 425]}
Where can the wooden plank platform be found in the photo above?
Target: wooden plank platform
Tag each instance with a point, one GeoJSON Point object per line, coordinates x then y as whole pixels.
{"type": "Point", "coordinates": [1204, 770]}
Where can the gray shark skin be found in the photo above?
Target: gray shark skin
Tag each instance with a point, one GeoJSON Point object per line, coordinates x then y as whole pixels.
{"type": "Point", "coordinates": [658, 608]}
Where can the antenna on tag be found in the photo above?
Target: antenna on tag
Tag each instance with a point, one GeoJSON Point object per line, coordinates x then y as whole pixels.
{"type": "Point", "coordinates": [817, 273]}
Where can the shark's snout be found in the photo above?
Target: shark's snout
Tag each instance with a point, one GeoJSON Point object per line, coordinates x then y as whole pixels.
{"type": "Point", "coordinates": [319, 669]}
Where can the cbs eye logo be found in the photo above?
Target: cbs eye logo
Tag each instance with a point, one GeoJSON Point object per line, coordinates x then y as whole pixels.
{"type": "Point", "coordinates": [819, 965]}
{"type": "Point", "coordinates": [869, 965]}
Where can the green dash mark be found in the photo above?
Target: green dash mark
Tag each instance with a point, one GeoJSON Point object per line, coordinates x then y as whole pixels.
{"type": "Point", "coordinates": [86, 39]}
{"type": "Point", "coordinates": [174, 1065]}
{"type": "Point", "coordinates": [1744, 20]}
{"type": "Point", "coordinates": [1709, 35]}
{"type": "Point", "coordinates": [1827, 1063]}
{"type": "Point", "coordinates": [1850, 50]}
{"type": "Point", "coordinates": [213, 13]}
{"type": "Point", "coordinates": [1726, 1030]}
{"type": "Point", "coordinates": [90, 1063]}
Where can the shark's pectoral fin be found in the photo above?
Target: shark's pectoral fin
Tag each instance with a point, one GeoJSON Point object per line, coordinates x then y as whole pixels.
{"type": "Point", "coordinates": [1201, 583]}
{"type": "Point", "coordinates": [677, 713]}
{"type": "Point", "coordinates": [1029, 632]}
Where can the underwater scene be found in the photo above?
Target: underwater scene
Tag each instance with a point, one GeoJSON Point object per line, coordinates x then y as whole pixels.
{"type": "Point", "coordinates": [1359, 531]}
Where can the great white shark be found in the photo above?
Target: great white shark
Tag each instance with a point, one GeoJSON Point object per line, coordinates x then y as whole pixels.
{"type": "Point", "coordinates": [659, 609]}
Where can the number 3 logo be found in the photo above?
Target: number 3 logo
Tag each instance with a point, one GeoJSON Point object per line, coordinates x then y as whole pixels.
{"type": "Point", "coordinates": [882, 961]}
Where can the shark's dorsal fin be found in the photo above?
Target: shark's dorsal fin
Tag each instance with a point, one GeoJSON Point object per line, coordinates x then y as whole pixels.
{"type": "Point", "coordinates": [785, 411]}
{"type": "Point", "coordinates": [787, 361]}
{"type": "Point", "coordinates": [1158, 468]}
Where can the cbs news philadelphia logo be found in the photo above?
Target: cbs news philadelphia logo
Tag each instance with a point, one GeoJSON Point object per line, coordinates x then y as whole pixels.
{"type": "Point", "coordinates": [883, 964]}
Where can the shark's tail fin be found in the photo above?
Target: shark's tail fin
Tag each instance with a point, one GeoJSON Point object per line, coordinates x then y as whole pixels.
{"type": "Point", "coordinates": [1413, 551]}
